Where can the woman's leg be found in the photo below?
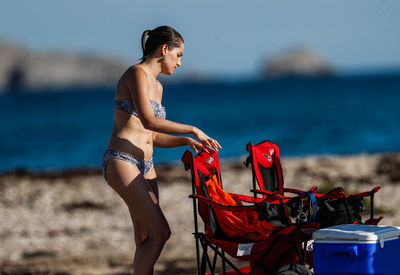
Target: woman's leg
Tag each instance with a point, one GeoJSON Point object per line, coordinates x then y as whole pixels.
{"type": "Point", "coordinates": [133, 188]}
{"type": "Point", "coordinates": [151, 178]}
{"type": "Point", "coordinates": [140, 234]}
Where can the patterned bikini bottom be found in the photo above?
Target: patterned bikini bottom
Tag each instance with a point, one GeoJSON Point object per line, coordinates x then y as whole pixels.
{"type": "Point", "coordinates": [143, 165]}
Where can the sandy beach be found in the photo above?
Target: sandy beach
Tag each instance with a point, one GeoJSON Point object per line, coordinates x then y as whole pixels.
{"type": "Point", "coordinates": [72, 222]}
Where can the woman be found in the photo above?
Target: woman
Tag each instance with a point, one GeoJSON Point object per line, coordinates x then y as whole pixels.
{"type": "Point", "coordinates": [140, 124]}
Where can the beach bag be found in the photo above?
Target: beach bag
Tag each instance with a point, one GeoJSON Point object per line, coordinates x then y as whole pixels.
{"type": "Point", "coordinates": [341, 211]}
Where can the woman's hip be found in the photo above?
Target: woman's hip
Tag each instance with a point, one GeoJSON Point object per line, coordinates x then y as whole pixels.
{"type": "Point", "coordinates": [144, 166]}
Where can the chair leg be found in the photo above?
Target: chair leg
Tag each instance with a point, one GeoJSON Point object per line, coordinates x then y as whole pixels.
{"type": "Point", "coordinates": [199, 264]}
{"type": "Point", "coordinates": [203, 265]}
{"type": "Point", "coordinates": [207, 258]}
{"type": "Point", "coordinates": [215, 260]}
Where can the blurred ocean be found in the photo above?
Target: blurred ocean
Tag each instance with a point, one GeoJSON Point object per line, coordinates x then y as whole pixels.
{"type": "Point", "coordinates": [45, 130]}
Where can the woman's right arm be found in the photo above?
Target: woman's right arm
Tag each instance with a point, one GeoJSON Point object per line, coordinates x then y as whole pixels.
{"type": "Point", "coordinates": [138, 87]}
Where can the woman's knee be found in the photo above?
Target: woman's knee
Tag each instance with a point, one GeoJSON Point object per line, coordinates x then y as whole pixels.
{"type": "Point", "coordinates": [167, 234]}
{"type": "Point", "coordinates": [161, 234]}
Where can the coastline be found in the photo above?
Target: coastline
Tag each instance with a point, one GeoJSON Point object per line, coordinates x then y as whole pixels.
{"type": "Point", "coordinates": [71, 222]}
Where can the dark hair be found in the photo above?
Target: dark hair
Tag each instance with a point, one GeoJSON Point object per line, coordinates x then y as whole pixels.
{"type": "Point", "coordinates": [159, 36]}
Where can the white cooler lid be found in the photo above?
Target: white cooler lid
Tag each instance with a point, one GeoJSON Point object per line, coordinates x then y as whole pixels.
{"type": "Point", "coordinates": [357, 232]}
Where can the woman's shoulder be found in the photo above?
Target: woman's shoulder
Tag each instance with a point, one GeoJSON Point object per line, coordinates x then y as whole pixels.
{"type": "Point", "coordinates": [137, 70]}
{"type": "Point", "coordinates": [134, 74]}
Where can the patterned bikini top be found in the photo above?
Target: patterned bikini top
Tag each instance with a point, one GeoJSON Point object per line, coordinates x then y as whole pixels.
{"type": "Point", "coordinates": [127, 106]}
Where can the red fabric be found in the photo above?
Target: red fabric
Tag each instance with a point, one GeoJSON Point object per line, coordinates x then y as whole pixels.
{"type": "Point", "coordinates": [373, 221]}
{"type": "Point", "coordinates": [236, 208]}
{"type": "Point", "coordinates": [266, 154]}
{"type": "Point", "coordinates": [236, 224]}
{"type": "Point", "coordinates": [278, 166]}
{"type": "Point", "coordinates": [244, 270]}
{"type": "Point", "coordinates": [278, 252]}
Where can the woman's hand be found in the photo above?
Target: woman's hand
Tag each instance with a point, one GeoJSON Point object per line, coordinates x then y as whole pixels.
{"type": "Point", "coordinates": [195, 145]}
{"type": "Point", "coordinates": [206, 141]}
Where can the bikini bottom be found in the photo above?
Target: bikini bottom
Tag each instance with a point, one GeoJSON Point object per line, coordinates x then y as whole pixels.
{"type": "Point", "coordinates": [143, 165]}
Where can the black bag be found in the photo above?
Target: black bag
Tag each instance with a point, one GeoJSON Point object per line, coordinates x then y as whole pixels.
{"type": "Point", "coordinates": [340, 211]}
{"type": "Point", "coordinates": [272, 213]}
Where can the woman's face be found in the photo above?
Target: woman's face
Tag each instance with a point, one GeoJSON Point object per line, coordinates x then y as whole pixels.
{"type": "Point", "coordinates": [172, 59]}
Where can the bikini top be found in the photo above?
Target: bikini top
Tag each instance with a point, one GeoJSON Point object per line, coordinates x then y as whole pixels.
{"type": "Point", "coordinates": [127, 106]}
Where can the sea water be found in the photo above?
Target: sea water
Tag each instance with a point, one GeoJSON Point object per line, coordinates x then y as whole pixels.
{"type": "Point", "coordinates": [70, 128]}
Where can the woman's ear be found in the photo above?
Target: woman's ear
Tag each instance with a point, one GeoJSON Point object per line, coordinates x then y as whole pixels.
{"type": "Point", "coordinates": [164, 49]}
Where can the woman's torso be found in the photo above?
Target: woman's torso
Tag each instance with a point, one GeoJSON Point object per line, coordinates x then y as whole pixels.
{"type": "Point", "coordinates": [128, 133]}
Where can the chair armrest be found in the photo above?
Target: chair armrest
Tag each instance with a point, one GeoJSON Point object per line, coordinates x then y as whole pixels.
{"type": "Point", "coordinates": [237, 208]}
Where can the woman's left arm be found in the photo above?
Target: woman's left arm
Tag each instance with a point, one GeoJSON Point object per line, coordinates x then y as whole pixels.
{"type": "Point", "coordinates": [168, 141]}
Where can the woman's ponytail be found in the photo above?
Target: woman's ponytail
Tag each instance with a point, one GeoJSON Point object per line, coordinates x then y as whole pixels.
{"type": "Point", "coordinates": [144, 35]}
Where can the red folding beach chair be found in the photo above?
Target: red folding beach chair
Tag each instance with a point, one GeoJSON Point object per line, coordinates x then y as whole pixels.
{"type": "Point", "coordinates": [312, 209]}
{"type": "Point", "coordinates": [234, 226]}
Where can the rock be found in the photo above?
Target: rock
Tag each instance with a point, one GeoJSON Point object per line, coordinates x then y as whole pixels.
{"type": "Point", "coordinates": [35, 70]}
{"type": "Point", "coordinates": [300, 61]}
{"type": "Point", "coordinates": [11, 57]}
{"type": "Point", "coordinates": [60, 69]}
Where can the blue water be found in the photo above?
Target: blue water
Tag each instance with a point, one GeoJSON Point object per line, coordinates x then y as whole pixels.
{"type": "Point", "coordinates": [343, 115]}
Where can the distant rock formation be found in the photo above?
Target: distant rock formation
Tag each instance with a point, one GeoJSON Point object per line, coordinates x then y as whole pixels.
{"type": "Point", "coordinates": [23, 69]}
{"type": "Point", "coordinates": [299, 61]}
{"type": "Point", "coordinates": [10, 58]}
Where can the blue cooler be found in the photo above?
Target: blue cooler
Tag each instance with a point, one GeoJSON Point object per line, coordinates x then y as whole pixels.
{"type": "Point", "coordinates": [357, 249]}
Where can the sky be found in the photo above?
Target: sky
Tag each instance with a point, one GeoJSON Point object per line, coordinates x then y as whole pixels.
{"type": "Point", "coordinates": [231, 38]}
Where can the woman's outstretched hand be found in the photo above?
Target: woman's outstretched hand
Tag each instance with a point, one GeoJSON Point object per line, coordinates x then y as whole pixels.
{"type": "Point", "coordinates": [195, 145]}
{"type": "Point", "coordinates": [206, 142]}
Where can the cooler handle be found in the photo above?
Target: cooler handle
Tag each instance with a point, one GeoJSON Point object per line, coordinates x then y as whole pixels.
{"type": "Point", "coordinates": [350, 251]}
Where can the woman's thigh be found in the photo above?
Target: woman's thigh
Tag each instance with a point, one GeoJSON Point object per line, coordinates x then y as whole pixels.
{"type": "Point", "coordinates": [140, 233]}
{"type": "Point", "coordinates": [126, 180]}
{"type": "Point", "coordinates": [151, 178]}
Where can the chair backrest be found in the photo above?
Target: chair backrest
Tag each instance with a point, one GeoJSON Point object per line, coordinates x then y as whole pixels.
{"type": "Point", "coordinates": [266, 166]}
{"type": "Point", "coordinates": [203, 166]}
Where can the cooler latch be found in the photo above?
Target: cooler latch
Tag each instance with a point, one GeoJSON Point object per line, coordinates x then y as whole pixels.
{"type": "Point", "coordinates": [381, 242]}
